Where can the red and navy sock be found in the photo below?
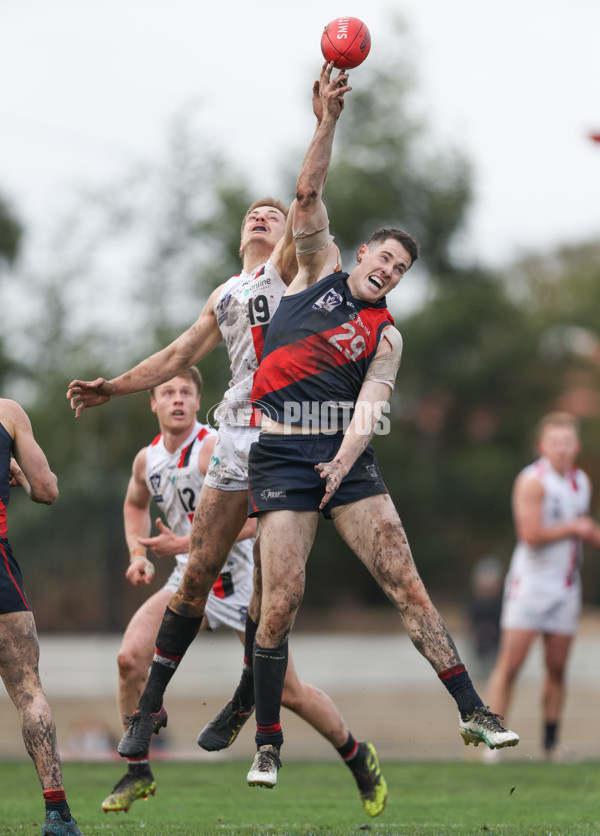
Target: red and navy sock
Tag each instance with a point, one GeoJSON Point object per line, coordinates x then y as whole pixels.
{"type": "Point", "coordinates": [175, 635]}
{"type": "Point", "coordinates": [57, 800]}
{"type": "Point", "coordinates": [459, 685]}
{"type": "Point", "coordinates": [270, 665]}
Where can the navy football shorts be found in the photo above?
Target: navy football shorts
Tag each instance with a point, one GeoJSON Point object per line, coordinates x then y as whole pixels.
{"type": "Point", "coordinates": [12, 594]}
{"type": "Point", "coordinates": [282, 475]}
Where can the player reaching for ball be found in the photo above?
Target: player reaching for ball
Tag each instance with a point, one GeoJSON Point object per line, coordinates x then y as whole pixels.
{"type": "Point", "coordinates": [237, 312]}
{"type": "Point", "coordinates": [331, 343]}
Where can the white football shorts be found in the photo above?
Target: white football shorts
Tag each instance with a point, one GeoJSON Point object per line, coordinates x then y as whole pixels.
{"type": "Point", "coordinates": [230, 611]}
{"type": "Point", "coordinates": [527, 607]}
{"type": "Point", "coordinates": [228, 468]}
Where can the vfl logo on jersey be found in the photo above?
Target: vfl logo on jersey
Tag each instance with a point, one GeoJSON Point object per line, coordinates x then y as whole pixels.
{"type": "Point", "coordinates": [328, 301]}
{"type": "Point", "coordinates": [222, 308]}
{"type": "Point", "coordinates": [155, 481]}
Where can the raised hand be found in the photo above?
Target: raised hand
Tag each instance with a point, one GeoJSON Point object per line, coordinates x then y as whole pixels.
{"type": "Point", "coordinates": [86, 393]}
{"type": "Point", "coordinates": [332, 90]}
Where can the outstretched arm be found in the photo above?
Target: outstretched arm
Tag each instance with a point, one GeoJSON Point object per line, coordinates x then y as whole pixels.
{"type": "Point", "coordinates": [284, 255]}
{"type": "Point", "coordinates": [311, 234]}
{"type": "Point", "coordinates": [187, 350]}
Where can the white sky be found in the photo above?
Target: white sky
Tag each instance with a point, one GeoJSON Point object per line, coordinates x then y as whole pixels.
{"type": "Point", "coordinates": [91, 86]}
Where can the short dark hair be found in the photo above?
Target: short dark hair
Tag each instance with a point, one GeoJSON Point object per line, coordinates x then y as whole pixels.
{"type": "Point", "coordinates": [407, 241]}
{"type": "Point", "coordinates": [191, 374]}
{"type": "Point", "coordinates": [266, 201]}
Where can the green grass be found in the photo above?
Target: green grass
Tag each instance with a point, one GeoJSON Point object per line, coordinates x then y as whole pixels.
{"type": "Point", "coordinates": [520, 799]}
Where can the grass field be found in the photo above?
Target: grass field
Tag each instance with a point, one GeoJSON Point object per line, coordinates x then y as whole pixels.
{"type": "Point", "coordinates": [320, 798]}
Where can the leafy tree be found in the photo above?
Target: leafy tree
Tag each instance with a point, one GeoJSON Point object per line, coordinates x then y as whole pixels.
{"type": "Point", "coordinates": [11, 235]}
{"type": "Point", "coordinates": [485, 354]}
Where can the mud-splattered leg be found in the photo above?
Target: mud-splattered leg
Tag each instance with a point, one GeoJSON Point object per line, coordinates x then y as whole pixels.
{"type": "Point", "coordinates": [19, 657]}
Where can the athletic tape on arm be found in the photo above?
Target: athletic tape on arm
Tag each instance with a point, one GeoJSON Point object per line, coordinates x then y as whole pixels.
{"type": "Point", "coordinates": [311, 242]}
{"type": "Point", "coordinates": [383, 369]}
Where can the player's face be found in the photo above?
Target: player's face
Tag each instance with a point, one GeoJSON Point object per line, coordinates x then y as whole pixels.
{"type": "Point", "coordinates": [379, 269]}
{"type": "Point", "coordinates": [176, 403]}
{"type": "Point", "coordinates": [561, 446]}
{"type": "Point", "coordinates": [265, 224]}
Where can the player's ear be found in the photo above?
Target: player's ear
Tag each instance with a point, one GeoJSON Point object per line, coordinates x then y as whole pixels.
{"type": "Point", "coordinates": [361, 253]}
{"type": "Point", "coordinates": [152, 404]}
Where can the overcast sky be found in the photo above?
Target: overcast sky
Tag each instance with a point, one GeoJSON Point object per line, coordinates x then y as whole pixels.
{"type": "Point", "coordinates": [91, 86]}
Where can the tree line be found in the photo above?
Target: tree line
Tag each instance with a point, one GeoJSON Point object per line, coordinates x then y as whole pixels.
{"type": "Point", "coordinates": [486, 354]}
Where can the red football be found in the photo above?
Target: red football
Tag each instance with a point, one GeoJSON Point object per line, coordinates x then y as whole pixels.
{"type": "Point", "coordinates": [346, 41]}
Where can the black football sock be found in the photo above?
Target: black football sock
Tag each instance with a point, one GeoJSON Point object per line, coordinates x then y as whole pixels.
{"type": "Point", "coordinates": [139, 766]}
{"type": "Point", "coordinates": [459, 685]}
{"type": "Point", "coordinates": [550, 735]}
{"type": "Point", "coordinates": [270, 665]}
{"type": "Point", "coordinates": [175, 635]}
{"type": "Point", "coordinates": [352, 755]}
{"type": "Point", "coordinates": [243, 699]}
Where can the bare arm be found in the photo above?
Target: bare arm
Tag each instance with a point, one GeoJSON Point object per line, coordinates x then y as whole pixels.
{"type": "Point", "coordinates": [527, 500]}
{"type": "Point", "coordinates": [30, 468]}
{"type": "Point", "coordinates": [310, 215]}
{"type": "Point", "coordinates": [370, 406]}
{"type": "Point", "coordinates": [284, 255]}
{"type": "Point", "coordinates": [136, 518]}
{"type": "Point", "coordinates": [187, 350]}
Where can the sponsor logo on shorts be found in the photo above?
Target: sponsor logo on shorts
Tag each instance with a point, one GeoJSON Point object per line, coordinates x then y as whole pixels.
{"type": "Point", "coordinates": [268, 494]}
{"type": "Point", "coordinates": [214, 461]}
{"type": "Point", "coordinates": [372, 471]}
{"type": "Point", "coordinates": [328, 301]}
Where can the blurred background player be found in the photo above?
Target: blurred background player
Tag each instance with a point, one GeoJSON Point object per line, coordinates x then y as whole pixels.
{"type": "Point", "coordinates": [331, 343]}
{"type": "Point", "coordinates": [485, 606]}
{"type": "Point", "coordinates": [19, 648]}
{"type": "Point", "coordinates": [550, 501]}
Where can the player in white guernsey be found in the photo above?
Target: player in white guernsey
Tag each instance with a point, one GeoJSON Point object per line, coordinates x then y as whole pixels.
{"type": "Point", "coordinates": [170, 471]}
{"type": "Point", "coordinates": [551, 500]}
{"type": "Point", "coordinates": [237, 312]}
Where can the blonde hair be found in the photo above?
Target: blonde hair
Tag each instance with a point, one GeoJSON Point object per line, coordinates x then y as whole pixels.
{"type": "Point", "coordinates": [191, 374]}
{"type": "Point", "coordinates": [557, 419]}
